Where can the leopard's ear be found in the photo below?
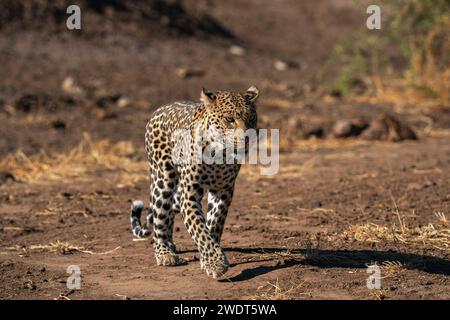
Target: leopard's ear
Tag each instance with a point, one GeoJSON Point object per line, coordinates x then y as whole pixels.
{"type": "Point", "coordinates": [252, 94]}
{"type": "Point", "coordinates": [207, 97]}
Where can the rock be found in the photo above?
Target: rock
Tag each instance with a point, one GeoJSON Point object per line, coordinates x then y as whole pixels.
{"type": "Point", "coordinates": [348, 128]}
{"type": "Point", "coordinates": [284, 65]}
{"type": "Point", "coordinates": [29, 284]}
{"type": "Point", "coordinates": [6, 176]}
{"type": "Point", "coordinates": [106, 101]}
{"type": "Point", "coordinates": [292, 128]}
{"type": "Point", "coordinates": [378, 130]}
{"type": "Point", "coordinates": [280, 65]}
{"type": "Point", "coordinates": [297, 129]}
{"type": "Point", "coordinates": [71, 87]}
{"type": "Point", "coordinates": [186, 73]}
{"type": "Point", "coordinates": [388, 128]}
{"type": "Point", "coordinates": [342, 129]}
{"type": "Point", "coordinates": [123, 102]}
{"type": "Point", "coordinates": [237, 50]}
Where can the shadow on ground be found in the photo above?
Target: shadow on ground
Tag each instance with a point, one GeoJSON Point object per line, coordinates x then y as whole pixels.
{"type": "Point", "coordinates": [338, 259]}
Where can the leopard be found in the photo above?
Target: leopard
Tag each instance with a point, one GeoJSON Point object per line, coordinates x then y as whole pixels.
{"type": "Point", "coordinates": [178, 187]}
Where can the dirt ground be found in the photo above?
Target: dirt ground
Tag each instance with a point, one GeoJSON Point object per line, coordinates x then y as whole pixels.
{"type": "Point", "coordinates": [72, 159]}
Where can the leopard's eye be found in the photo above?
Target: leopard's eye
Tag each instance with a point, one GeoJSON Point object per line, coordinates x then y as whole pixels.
{"type": "Point", "coordinates": [229, 119]}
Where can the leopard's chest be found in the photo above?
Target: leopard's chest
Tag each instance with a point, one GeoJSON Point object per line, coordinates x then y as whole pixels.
{"type": "Point", "coordinates": [212, 175]}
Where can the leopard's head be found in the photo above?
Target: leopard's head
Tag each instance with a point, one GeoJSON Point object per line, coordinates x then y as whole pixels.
{"type": "Point", "coordinates": [230, 113]}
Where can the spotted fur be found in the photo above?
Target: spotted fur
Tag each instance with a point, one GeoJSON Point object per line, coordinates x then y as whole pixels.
{"type": "Point", "coordinates": [178, 187]}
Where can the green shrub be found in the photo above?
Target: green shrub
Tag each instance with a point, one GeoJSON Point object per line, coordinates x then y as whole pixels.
{"type": "Point", "coordinates": [413, 43]}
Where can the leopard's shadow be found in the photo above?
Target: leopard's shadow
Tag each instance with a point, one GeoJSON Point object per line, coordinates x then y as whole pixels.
{"type": "Point", "coordinates": [336, 259]}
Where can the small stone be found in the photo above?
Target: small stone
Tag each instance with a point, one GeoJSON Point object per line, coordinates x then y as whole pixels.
{"type": "Point", "coordinates": [70, 86]}
{"type": "Point", "coordinates": [378, 130]}
{"type": "Point", "coordinates": [29, 285]}
{"type": "Point", "coordinates": [280, 66]}
{"type": "Point", "coordinates": [237, 50]}
{"type": "Point", "coordinates": [108, 100]}
{"type": "Point", "coordinates": [123, 102]}
{"type": "Point", "coordinates": [284, 65]}
{"type": "Point", "coordinates": [349, 128]}
{"type": "Point", "coordinates": [389, 128]}
{"type": "Point", "coordinates": [186, 73]}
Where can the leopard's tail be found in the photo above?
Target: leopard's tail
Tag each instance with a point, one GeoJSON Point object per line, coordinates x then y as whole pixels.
{"type": "Point", "coordinates": [138, 230]}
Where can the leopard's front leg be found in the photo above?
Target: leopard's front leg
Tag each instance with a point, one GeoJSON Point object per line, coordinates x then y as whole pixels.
{"type": "Point", "coordinates": [219, 202]}
{"type": "Point", "coordinates": [212, 257]}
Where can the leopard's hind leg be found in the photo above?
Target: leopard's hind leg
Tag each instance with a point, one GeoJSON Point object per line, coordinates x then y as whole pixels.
{"type": "Point", "coordinates": [164, 184]}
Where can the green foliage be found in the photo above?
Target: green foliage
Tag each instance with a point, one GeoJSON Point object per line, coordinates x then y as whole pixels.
{"type": "Point", "coordinates": [413, 41]}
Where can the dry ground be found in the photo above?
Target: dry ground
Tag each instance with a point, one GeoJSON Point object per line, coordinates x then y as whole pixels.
{"type": "Point", "coordinates": [313, 228]}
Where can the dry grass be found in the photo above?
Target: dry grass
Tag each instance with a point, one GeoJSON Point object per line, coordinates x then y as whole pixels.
{"type": "Point", "coordinates": [402, 97]}
{"type": "Point", "coordinates": [430, 64]}
{"type": "Point", "coordinates": [435, 235]}
{"type": "Point", "coordinates": [84, 159]}
{"type": "Point", "coordinates": [312, 245]}
{"type": "Point", "coordinates": [441, 217]}
{"type": "Point", "coordinates": [392, 268]}
{"type": "Point", "coordinates": [379, 295]}
{"type": "Point", "coordinates": [282, 254]}
{"type": "Point", "coordinates": [425, 33]}
{"type": "Point", "coordinates": [59, 247]}
{"type": "Point", "coordinates": [274, 291]}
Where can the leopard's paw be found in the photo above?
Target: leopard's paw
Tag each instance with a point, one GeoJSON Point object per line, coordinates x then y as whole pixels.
{"type": "Point", "coordinates": [168, 259]}
{"type": "Point", "coordinates": [215, 265]}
